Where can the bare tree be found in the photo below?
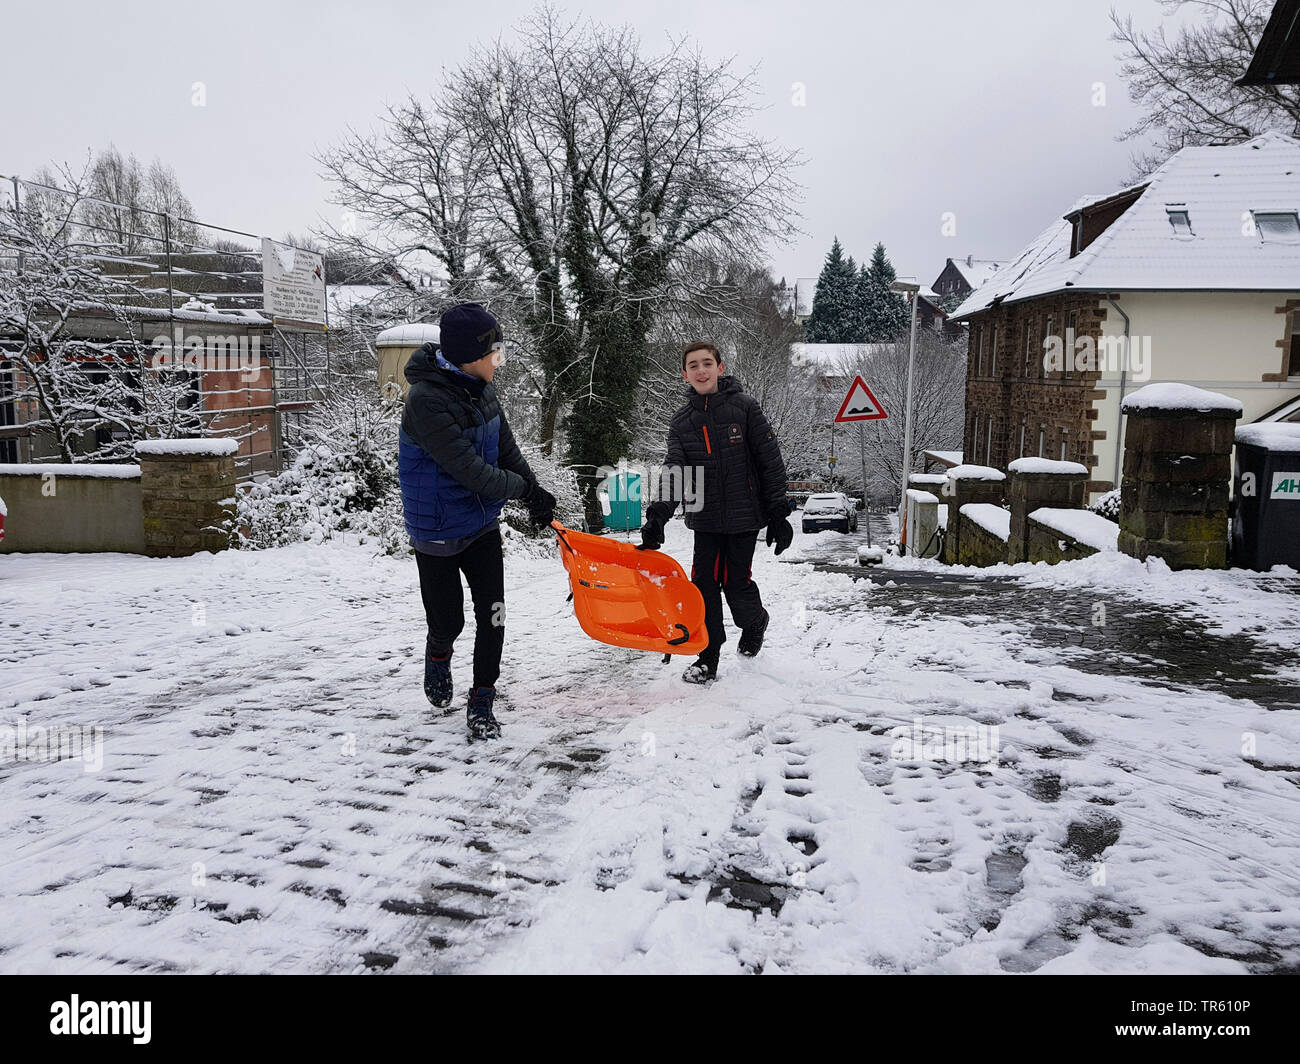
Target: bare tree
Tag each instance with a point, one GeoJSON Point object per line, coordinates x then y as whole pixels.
{"type": "Point", "coordinates": [939, 400]}
{"type": "Point", "coordinates": [93, 398]}
{"type": "Point", "coordinates": [562, 178]}
{"type": "Point", "coordinates": [1186, 85]}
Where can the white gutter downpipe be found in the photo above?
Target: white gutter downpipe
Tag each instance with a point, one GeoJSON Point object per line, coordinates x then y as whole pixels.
{"type": "Point", "coordinates": [1123, 380]}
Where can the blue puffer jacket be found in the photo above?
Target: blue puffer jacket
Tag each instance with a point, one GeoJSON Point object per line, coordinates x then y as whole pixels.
{"type": "Point", "coordinates": [457, 459]}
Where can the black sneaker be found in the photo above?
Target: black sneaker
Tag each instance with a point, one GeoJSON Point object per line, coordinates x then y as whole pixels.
{"type": "Point", "coordinates": [701, 671]}
{"type": "Point", "coordinates": [478, 714]}
{"type": "Point", "coordinates": [437, 679]}
{"type": "Point", "coordinates": [751, 638]}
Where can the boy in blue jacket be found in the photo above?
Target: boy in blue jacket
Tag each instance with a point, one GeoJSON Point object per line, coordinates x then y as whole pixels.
{"type": "Point", "coordinates": [458, 463]}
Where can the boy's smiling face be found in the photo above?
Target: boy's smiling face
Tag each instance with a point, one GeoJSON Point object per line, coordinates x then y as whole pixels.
{"type": "Point", "coordinates": [702, 370]}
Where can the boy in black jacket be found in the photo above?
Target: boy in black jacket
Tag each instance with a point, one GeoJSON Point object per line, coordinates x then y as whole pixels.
{"type": "Point", "coordinates": [721, 432]}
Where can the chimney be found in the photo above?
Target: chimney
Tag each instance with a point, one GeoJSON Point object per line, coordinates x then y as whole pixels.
{"type": "Point", "coordinates": [970, 260]}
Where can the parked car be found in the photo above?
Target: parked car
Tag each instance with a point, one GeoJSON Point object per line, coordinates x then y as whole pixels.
{"type": "Point", "coordinates": [830, 510]}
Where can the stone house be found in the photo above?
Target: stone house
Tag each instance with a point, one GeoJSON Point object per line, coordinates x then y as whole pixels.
{"type": "Point", "coordinates": [1192, 276]}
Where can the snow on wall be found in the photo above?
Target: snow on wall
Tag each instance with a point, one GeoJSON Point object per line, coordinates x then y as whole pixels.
{"type": "Point", "coordinates": [69, 469]}
{"type": "Point", "coordinates": [975, 472]}
{"type": "Point", "coordinates": [1282, 436]}
{"type": "Point", "coordinates": [989, 517]}
{"type": "Point", "coordinates": [1045, 465]}
{"type": "Point", "coordinates": [217, 446]}
{"type": "Point", "coordinates": [1173, 396]}
{"type": "Point", "coordinates": [1082, 526]}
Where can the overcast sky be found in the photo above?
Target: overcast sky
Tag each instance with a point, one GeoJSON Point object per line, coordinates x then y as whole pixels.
{"type": "Point", "coordinates": [912, 109]}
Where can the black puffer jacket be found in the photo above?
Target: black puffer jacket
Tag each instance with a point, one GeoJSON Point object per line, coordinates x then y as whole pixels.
{"type": "Point", "coordinates": [457, 458]}
{"type": "Point", "coordinates": [726, 436]}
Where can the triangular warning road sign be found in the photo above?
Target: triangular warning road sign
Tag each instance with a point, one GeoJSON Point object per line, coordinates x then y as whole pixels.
{"type": "Point", "coordinates": [860, 404]}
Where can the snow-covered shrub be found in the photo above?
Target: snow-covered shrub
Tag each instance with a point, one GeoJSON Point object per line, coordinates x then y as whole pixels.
{"type": "Point", "coordinates": [1107, 505]}
{"type": "Point", "coordinates": [560, 481]}
{"type": "Point", "coordinates": [343, 479]}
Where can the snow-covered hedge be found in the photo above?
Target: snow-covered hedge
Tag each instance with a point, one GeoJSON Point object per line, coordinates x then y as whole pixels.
{"type": "Point", "coordinates": [344, 481]}
{"type": "Point", "coordinates": [1107, 506]}
{"type": "Point", "coordinates": [325, 492]}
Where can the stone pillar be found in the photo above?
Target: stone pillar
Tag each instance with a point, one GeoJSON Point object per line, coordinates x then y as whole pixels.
{"type": "Point", "coordinates": [1177, 471]}
{"type": "Point", "coordinates": [966, 484]}
{"type": "Point", "coordinates": [188, 490]}
{"type": "Point", "coordinates": [1038, 482]}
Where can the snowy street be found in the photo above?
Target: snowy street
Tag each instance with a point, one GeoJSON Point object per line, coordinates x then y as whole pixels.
{"type": "Point", "coordinates": [276, 795]}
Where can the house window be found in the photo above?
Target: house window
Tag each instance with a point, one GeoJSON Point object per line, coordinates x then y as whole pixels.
{"type": "Point", "coordinates": [979, 352]}
{"type": "Point", "coordinates": [1065, 443]}
{"type": "Point", "coordinates": [1293, 368]}
{"type": "Point", "coordinates": [1070, 323]}
{"type": "Point", "coordinates": [1179, 220]}
{"type": "Point", "coordinates": [1278, 227]}
{"type": "Point", "coordinates": [993, 371]}
{"type": "Point", "coordinates": [1029, 348]}
{"type": "Point", "coordinates": [988, 442]}
{"type": "Point", "coordinates": [1047, 334]}
{"type": "Point", "coordinates": [1042, 439]}
{"type": "Point", "coordinates": [8, 411]}
{"type": "Point", "coordinates": [1021, 452]}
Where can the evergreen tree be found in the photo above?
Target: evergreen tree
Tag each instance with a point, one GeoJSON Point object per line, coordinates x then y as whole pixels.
{"type": "Point", "coordinates": [882, 314]}
{"type": "Point", "coordinates": [834, 311]}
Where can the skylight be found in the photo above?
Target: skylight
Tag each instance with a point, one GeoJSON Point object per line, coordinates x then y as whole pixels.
{"type": "Point", "coordinates": [1278, 227]}
{"type": "Point", "coordinates": [1179, 219]}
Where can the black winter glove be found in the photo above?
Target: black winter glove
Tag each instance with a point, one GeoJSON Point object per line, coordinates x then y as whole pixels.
{"type": "Point", "coordinates": [652, 534]}
{"type": "Point", "coordinates": [780, 533]}
{"type": "Point", "coordinates": [541, 505]}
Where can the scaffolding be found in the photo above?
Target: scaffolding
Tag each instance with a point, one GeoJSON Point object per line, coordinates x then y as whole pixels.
{"type": "Point", "coordinates": [193, 279]}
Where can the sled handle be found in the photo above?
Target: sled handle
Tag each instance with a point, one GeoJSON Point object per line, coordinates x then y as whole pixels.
{"type": "Point", "coordinates": [559, 531]}
{"type": "Point", "coordinates": [686, 634]}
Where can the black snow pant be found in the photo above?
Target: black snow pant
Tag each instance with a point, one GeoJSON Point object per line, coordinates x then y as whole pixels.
{"type": "Point", "coordinates": [723, 565]}
{"type": "Point", "coordinates": [483, 564]}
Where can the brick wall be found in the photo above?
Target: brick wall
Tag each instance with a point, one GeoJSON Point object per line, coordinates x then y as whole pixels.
{"type": "Point", "coordinates": [1017, 393]}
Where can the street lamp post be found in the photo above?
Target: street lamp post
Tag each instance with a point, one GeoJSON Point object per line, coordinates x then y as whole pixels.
{"type": "Point", "coordinates": [909, 288]}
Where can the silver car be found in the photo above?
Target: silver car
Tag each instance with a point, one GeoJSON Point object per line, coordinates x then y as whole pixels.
{"type": "Point", "coordinates": [830, 510]}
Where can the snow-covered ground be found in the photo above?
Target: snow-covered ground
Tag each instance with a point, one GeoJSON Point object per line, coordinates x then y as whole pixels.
{"type": "Point", "coordinates": [276, 795]}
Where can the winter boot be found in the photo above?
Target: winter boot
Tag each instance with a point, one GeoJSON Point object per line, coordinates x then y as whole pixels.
{"type": "Point", "coordinates": [751, 638]}
{"type": "Point", "coordinates": [437, 679]}
{"type": "Point", "coordinates": [478, 714]}
{"type": "Point", "coordinates": [702, 670]}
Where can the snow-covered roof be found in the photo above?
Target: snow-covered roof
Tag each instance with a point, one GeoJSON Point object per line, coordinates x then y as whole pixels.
{"type": "Point", "coordinates": [832, 354]}
{"type": "Point", "coordinates": [1218, 187]}
{"type": "Point", "coordinates": [976, 271]}
{"type": "Point", "coordinates": [948, 458]}
{"type": "Point", "coordinates": [1281, 436]}
{"type": "Point", "coordinates": [408, 335]}
{"type": "Point", "coordinates": [1170, 395]}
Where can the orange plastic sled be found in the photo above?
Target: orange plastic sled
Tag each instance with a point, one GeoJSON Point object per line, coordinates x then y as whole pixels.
{"type": "Point", "coordinates": [633, 598]}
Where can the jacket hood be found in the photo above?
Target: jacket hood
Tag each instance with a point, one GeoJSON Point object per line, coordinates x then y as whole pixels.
{"type": "Point", "coordinates": [423, 366]}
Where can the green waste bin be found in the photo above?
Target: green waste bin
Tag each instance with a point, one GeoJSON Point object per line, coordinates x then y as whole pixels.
{"type": "Point", "coordinates": [620, 497]}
